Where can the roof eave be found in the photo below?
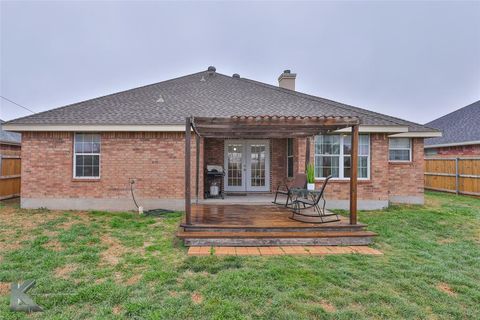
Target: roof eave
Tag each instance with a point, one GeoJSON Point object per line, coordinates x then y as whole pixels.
{"type": "Point", "coordinates": [93, 127]}
{"type": "Point", "coordinates": [417, 134]}
{"type": "Point", "coordinates": [452, 144]}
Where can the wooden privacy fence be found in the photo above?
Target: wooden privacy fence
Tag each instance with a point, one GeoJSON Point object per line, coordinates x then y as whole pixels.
{"type": "Point", "coordinates": [10, 167]}
{"type": "Point", "coordinates": [457, 175]}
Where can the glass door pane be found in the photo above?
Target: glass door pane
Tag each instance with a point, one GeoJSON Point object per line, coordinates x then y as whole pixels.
{"type": "Point", "coordinates": [257, 165]}
{"type": "Point", "coordinates": [235, 153]}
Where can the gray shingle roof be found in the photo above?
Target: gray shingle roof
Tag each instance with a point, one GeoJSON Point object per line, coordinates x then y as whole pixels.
{"type": "Point", "coordinates": [9, 137]}
{"type": "Point", "coordinates": [462, 125]}
{"type": "Point", "coordinates": [203, 94]}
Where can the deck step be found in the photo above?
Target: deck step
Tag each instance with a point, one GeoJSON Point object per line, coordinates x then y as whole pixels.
{"type": "Point", "coordinates": [316, 234]}
{"type": "Point", "coordinates": [331, 238]}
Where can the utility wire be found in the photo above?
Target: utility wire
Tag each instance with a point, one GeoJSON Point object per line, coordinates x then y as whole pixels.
{"type": "Point", "coordinates": [17, 104]}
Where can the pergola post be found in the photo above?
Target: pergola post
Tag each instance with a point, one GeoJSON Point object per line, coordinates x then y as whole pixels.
{"type": "Point", "coordinates": [353, 176]}
{"type": "Point", "coordinates": [188, 205]}
{"type": "Point", "coordinates": [197, 165]}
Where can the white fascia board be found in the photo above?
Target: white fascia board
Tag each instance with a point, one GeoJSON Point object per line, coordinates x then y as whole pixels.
{"type": "Point", "coordinates": [453, 144]}
{"type": "Point", "coordinates": [417, 134]}
{"type": "Point", "coordinates": [374, 129]}
{"type": "Point", "coordinates": [94, 128]}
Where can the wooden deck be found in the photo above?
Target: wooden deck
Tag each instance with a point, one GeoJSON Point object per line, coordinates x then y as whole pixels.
{"type": "Point", "coordinates": [253, 216]}
{"type": "Point", "coordinates": [265, 225]}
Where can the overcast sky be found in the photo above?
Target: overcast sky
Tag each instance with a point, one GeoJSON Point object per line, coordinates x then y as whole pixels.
{"type": "Point", "coordinates": [413, 60]}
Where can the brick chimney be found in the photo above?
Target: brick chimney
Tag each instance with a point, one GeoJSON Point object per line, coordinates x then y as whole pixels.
{"type": "Point", "coordinates": [287, 80]}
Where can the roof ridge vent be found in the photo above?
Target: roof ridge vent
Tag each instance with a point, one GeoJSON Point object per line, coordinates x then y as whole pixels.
{"type": "Point", "coordinates": [236, 76]}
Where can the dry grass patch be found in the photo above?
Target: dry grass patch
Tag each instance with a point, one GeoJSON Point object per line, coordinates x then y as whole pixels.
{"type": "Point", "coordinates": [4, 288]}
{"type": "Point", "coordinates": [53, 245]}
{"type": "Point", "coordinates": [444, 287]}
{"type": "Point", "coordinates": [133, 280]}
{"type": "Point", "coordinates": [116, 310]}
{"type": "Point", "coordinates": [327, 306]}
{"type": "Point", "coordinates": [197, 298]}
{"type": "Point", "coordinates": [65, 271]}
{"type": "Point", "coordinates": [446, 241]}
{"type": "Point", "coordinates": [115, 250]}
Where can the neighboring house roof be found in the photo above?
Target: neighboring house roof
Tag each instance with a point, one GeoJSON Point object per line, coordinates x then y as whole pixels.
{"type": "Point", "coordinates": [459, 127]}
{"type": "Point", "coordinates": [204, 94]}
{"type": "Point", "coordinates": [9, 137]}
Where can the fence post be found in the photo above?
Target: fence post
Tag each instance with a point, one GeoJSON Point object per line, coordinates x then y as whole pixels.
{"type": "Point", "coordinates": [456, 176]}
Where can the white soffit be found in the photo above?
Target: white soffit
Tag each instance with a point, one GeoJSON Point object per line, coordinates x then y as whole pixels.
{"type": "Point", "coordinates": [373, 129]}
{"type": "Point", "coordinates": [417, 134]}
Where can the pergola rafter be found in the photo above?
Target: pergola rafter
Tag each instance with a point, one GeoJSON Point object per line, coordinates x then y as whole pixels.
{"type": "Point", "coordinates": [267, 127]}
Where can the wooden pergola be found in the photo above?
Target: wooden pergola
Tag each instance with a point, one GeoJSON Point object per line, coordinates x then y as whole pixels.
{"type": "Point", "coordinates": [266, 127]}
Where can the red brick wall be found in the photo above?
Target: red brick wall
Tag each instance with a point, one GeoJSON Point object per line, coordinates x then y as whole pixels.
{"type": "Point", "coordinates": [457, 151]}
{"type": "Point", "coordinates": [407, 179]}
{"type": "Point", "coordinates": [386, 178]}
{"type": "Point", "coordinates": [376, 188]}
{"type": "Point", "coordinates": [278, 166]}
{"type": "Point", "coordinates": [155, 160]}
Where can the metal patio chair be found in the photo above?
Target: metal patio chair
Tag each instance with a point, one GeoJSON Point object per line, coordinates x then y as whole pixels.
{"type": "Point", "coordinates": [299, 182]}
{"type": "Point", "coordinates": [300, 204]}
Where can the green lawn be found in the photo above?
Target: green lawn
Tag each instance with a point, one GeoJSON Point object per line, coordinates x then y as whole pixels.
{"type": "Point", "coordinates": [101, 265]}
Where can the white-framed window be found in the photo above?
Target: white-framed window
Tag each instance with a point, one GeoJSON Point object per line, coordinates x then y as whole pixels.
{"type": "Point", "coordinates": [400, 149]}
{"type": "Point", "coordinates": [86, 157]}
{"type": "Point", "coordinates": [333, 156]}
{"type": "Point", "coordinates": [290, 157]}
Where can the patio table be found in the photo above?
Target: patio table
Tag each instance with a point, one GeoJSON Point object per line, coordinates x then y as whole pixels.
{"type": "Point", "coordinates": [305, 193]}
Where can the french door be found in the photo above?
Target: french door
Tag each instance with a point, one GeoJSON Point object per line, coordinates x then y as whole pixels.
{"type": "Point", "coordinates": [247, 165]}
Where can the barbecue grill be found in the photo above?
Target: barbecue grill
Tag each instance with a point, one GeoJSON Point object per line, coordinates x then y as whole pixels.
{"type": "Point", "coordinates": [214, 176]}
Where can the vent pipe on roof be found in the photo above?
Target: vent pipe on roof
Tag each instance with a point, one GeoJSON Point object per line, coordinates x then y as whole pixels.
{"type": "Point", "coordinates": [287, 80]}
{"type": "Point", "coordinates": [211, 70]}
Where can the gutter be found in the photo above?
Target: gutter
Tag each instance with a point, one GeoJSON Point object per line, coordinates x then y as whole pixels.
{"type": "Point", "coordinates": [453, 144]}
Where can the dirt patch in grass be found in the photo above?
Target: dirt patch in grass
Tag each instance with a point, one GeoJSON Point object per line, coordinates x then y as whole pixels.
{"type": "Point", "coordinates": [114, 250]}
{"type": "Point", "coordinates": [197, 298]}
{"type": "Point", "coordinates": [133, 280]}
{"type": "Point", "coordinates": [433, 202]}
{"type": "Point", "coordinates": [4, 288]}
{"type": "Point", "coordinates": [445, 288]}
{"type": "Point", "coordinates": [53, 245]}
{"type": "Point", "coordinates": [446, 241]}
{"type": "Point", "coordinates": [65, 271]}
{"type": "Point", "coordinates": [116, 310]}
{"type": "Point", "coordinates": [327, 306]}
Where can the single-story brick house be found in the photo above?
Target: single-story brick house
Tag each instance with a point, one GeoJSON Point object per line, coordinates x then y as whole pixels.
{"type": "Point", "coordinates": [84, 155]}
{"type": "Point", "coordinates": [461, 134]}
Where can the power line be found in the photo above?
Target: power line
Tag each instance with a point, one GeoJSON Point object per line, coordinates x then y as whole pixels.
{"type": "Point", "coordinates": [17, 104]}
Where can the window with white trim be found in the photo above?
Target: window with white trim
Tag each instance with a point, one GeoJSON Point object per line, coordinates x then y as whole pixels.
{"type": "Point", "coordinates": [400, 149]}
{"type": "Point", "coordinates": [290, 157]}
{"type": "Point", "coordinates": [86, 158]}
{"type": "Point", "coordinates": [333, 156]}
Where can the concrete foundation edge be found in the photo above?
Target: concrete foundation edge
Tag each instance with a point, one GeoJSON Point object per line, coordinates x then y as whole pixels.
{"type": "Point", "coordinates": [107, 204]}
{"type": "Point", "coordinates": [100, 204]}
{"type": "Point", "coordinates": [407, 199]}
